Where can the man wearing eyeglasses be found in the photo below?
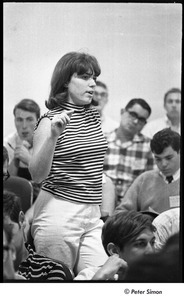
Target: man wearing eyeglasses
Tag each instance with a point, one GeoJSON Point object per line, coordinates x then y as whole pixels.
{"type": "Point", "coordinates": [129, 154]}
{"type": "Point", "coordinates": [100, 100]}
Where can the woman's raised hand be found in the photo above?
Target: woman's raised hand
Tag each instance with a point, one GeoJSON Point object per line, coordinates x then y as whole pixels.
{"type": "Point", "coordinates": [60, 121]}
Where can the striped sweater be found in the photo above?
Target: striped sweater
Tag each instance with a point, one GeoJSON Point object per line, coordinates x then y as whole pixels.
{"type": "Point", "coordinates": [40, 268]}
{"type": "Point", "coordinates": [77, 166]}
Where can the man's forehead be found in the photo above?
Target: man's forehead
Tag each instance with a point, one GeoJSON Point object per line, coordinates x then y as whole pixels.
{"type": "Point", "coordinates": [140, 110]}
{"type": "Point", "coordinates": [167, 151]}
{"type": "Point", "coordinates": [145, 235]}
{"type": "Point", "coordinates": [24, 113]}
{"type": "Point", "coordinates": [174, 95]}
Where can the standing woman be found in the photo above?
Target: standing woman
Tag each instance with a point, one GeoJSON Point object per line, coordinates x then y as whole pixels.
{"type": "Point", "coordinates": [68, 155]}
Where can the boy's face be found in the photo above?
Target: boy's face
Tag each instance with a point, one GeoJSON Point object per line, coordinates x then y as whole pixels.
{"type": "Point", "coordinates": [8, 258]}
{"type": "Point", "coordinates": [16, 232]}
{"type": "Point", "coordinates": [100, 97]}
{"type": "Point", "coordinates": [168, 161]}
{"type": "Point", "coordinates": [25, 122]}
{"type": "Point", "coordinates": [173, 105]}
{"type": "Point", "coordinates": [133, 119]}
{"type": "Point", "coordinates": [143, 244]}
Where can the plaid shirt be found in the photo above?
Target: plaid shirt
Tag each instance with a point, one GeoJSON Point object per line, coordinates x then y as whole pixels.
{"type": "Point", "coordinates": [125, 161]}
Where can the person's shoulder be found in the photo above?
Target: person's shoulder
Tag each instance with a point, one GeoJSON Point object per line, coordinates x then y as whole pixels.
{"type": "Point", "coordinates": [107, 119]}
{"type": "Point", "coordinates": [11, 136]}
{"type": "Point", "coordinates": [111, 136]}
{"type": "Point", "coordinates": [143, 138]}
{"type": "Point", "coordinates": [153, 126]}
{"type": "Point", "coordinates": [156, 121]}
{"type": "Point", "coordinates": [19, 277]}
{"type": "Point", "coordinates": [172, 212]}
{"type": "Point", "coordinates": [148, 174]}
{"type": "Point", "coordinates": [168, 217]}
{"type": "Point", "coordinates": [45, 261]}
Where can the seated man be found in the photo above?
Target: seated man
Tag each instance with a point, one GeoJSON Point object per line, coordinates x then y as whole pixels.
{"type": "Point", "coordinates": [19, 143]}
{"type": "Point", "coordinates": [125, 237]}
{"type": "Point", "coordinates": [167, 224]}
{"type": "Point", "coordinates": [129, 154]}
{"type": "Point", "coordinates": [28, 263]}
{"type": "Point", "coordinates": [158, 189]}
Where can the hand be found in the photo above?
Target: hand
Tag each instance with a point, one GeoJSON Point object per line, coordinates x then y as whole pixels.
{"type": "Point", "coordinates": [110, 268]}
{"type": "Point", "coordinates": [22, 154]}
{"type": "Point", "coordinates": [60, 121]}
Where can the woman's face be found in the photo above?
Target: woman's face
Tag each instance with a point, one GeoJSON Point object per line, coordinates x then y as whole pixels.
{"type": "Point", "coordinates": [81, 88]}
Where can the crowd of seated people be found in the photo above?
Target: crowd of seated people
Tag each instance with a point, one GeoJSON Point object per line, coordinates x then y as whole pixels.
{"type": "Point", "coordinates": [106, 201]}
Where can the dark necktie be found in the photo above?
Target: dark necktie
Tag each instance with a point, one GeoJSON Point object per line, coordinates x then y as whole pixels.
{"type": "Point", "coordinates": [169, 179]}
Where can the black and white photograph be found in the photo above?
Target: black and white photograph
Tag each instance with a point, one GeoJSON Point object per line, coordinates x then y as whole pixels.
{"type": "Point", "coordinates": [91, 149]}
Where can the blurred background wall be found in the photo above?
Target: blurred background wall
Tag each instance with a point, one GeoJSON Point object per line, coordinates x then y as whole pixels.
{"type": "Point", "coordinates": [138, 46]}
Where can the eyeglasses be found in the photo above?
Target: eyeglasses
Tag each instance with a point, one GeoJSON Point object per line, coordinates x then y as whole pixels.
{"type": "Point", "coordinates": [6, 176]}
{"type": "Point", "coordinates": [102, 95]}
{"type": "Point", "coordinates": [134, 116]}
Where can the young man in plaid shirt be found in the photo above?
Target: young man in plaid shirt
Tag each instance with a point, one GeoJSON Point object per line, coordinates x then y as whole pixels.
{"type": "Point", "coordinates": [129, 154]}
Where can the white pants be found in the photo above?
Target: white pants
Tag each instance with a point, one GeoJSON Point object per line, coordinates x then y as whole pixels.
{"type": "Point", "coordinates": [68, 231]}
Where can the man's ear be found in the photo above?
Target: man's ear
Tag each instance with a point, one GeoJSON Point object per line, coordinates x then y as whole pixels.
{"type": "Point", "coordinates": [112, 249]}
{"type": "Point", "coordinates": [22, 219]}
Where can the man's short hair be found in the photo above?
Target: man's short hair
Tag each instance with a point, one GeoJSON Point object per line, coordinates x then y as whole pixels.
{"type": "Point", "coordinates": [28, 105]}
{"type": "Point", "coordinates": [163, 139]}
{"type": "Point", "coordinates": [11, 206]}
{"type": "Point", "coordinates": [173, 90]}
{"type": "Point", "coordinates": [123, 227]}
{"type": "Point", "coordinates": [139, 101]}
{"type": "Point", "coordinates": [100, 83]}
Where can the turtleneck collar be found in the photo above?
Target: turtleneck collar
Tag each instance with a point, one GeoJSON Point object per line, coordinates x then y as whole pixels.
{"type": "Point", "coordinates": [68, 105]}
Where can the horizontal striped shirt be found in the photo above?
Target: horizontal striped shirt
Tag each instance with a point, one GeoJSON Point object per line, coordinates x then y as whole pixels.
{"type": "Point", "coordinates": [125, 161]}
{"type": "Point", "coordinates": [77, 166]}
{"type": "Point", "coordinates": [40, 268]}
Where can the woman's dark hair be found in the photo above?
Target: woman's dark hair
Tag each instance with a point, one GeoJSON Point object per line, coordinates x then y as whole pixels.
{"type": "Point", "coordinates": [163, 139]}
{"type": "Point", "coordinates": [70, 63]}
{"type": "Point", "coordinates": [100, 83]}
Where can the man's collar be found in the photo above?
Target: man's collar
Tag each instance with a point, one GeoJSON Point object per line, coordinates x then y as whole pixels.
{"type": "Point", "coordinates": [176, 175]}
